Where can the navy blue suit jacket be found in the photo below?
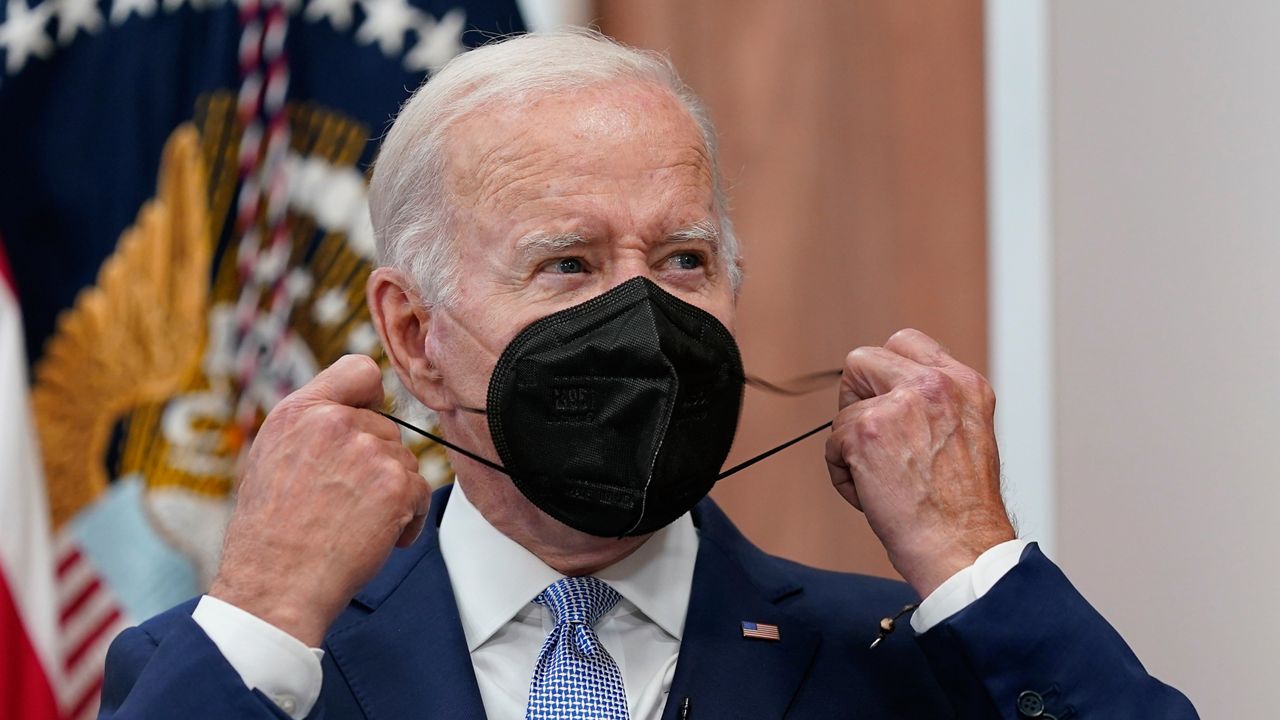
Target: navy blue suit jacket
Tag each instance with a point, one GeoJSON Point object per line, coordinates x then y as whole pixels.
{"type": "Point", "coordinates": [398, 650]}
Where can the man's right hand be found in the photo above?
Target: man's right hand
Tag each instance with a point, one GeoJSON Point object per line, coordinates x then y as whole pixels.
{"type": "Point", "coordinates": [327, 489]}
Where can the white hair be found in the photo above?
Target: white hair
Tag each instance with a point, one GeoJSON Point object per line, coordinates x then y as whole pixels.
{"type": "Point", "coordinates": [408, 200]}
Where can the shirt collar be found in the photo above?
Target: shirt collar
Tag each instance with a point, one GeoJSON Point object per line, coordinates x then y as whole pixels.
{"type": "Point", "coordinates": [494, 577]}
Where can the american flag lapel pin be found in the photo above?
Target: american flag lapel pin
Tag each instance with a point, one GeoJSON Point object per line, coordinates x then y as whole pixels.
{"type": "Point", "coordinates": [760, 631]}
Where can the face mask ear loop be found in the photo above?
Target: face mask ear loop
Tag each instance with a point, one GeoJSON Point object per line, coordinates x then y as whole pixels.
{"type": "Point", "coordinates": [748, 463]}
{"type": "Point", "coordinates": [483, 461]}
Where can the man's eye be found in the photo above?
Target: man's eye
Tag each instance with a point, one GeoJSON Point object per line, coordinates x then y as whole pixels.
{"type": "Point", "coordinates": [568, 266]}
{"type": "Point", "coordinates": [687, 261]}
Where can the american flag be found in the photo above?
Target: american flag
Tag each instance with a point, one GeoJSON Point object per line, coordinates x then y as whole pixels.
{"type": "Point", "coordinates": [89, 617]}
{"type": "Point", "coordinates": [760, 631]}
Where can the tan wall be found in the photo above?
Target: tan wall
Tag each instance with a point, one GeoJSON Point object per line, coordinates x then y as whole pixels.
{"type": "Point", "coordinates": [852, 139]}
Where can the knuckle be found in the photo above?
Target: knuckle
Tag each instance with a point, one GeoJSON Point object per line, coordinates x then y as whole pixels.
{"type": "Point", "coordinates": [410, 490]}
{"type": "Point", "coordinates": [904, 399]}
{"type": "Point", "coordinates": [366, 445]}
{"type": "Point", "coordinates": [407, 458]}
{"type": "Point", "coordinates": [974, 387]}
{"type": "Point", "coordinates": [969, 378]}
{"type": "Point", "coordinates": [388, 465]}
{"type": "Point", "coordinates": [330, 420]}
{"type": "Point", "coordinates": [904, 335]}
{"type": "Point", "coordinates": [870, 425]}
{"type": "Point", "coordinates": [980, 386]}
{"type": "Point", "coordinates": [859, 356]}
{"type": "Point", "coordinates": [390, 484]}
{"type": "Point", "coordinates": [397, 488]}
{"type": "Point", "coordinates": [935, 385]}
{"type": "Point", "coordinates": [421, 491]}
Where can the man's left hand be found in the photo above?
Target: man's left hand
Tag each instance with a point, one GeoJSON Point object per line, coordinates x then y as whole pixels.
{"type": "Point", "coordinates": [914, 448]}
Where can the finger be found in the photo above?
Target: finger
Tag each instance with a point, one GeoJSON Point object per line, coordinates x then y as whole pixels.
{"type": "Point", "coordinates": [913, 344]}
{"type": "Point", "coordinates": [411, 531]}
{"type": "Point", "coordinates": [352, 380]}
{"type": "Point", "coordinates": [396, 449]}
{"type": "Point", "coordinates": [374, 424]}
{"type": "Point", "coordinates": [841, 473]}
{"type": "Point", "coordinates": [849, 435]}
{"type": "Point", "coordinates": [421, 505]}
{"type": "Point", "coordinates": [380, 449]}
{"type": "Point", "coordinates": [926, 351]}
{"type": "Point", "coordinates": [873, 371]}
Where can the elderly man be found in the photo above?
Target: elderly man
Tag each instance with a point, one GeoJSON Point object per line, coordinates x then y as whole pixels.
{"type": "Point", "coordinates": [558, 282]}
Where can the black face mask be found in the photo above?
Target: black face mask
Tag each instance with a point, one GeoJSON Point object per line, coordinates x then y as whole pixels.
{"type": "Point", "coordinates": [615, 416]}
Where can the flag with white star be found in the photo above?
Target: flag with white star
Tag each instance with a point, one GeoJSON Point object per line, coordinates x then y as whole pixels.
{"type": "Point", "coordinates": [183, 208]}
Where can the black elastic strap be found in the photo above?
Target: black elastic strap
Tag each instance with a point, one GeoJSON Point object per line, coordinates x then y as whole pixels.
{"type": "Point", "coordinates": [491, 464]}
{"type": "Point", "coordinates": [483, 461]}
{"type": "Point", "coordinates": [748, 463]}
{"type": "Point", "coordinates": [801, 385]}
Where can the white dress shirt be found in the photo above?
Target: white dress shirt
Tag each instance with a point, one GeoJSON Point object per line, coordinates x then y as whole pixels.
{"type": "Point", "coordinates": [494, 581]}
{"type": "Point", "coordinates": [505, 629]}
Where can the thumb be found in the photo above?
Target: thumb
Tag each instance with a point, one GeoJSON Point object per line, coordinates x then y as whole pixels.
{"type": "Point", "coordinates": [352, 380]}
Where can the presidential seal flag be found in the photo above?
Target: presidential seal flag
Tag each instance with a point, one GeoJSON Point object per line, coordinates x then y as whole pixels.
{"type": "Point", "coordinates": [182, 203]}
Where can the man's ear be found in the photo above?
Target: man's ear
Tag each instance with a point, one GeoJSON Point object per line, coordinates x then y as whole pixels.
{"type": "Point", "coordinates": [403, 322]}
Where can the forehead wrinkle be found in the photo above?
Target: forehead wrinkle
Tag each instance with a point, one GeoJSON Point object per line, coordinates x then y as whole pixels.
{"type": "Point", "coordinates": [479, 169]}
{"type": "Point", "coordinates": [688, 179]}
{"type": "Point", "coordinates": [508, 169]}
{"type": "Point", "coordinates": [508, 176]}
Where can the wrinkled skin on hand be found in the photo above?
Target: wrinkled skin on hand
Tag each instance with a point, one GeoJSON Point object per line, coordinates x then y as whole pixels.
{"type": "Point", "coordinates": [327, 490]}
{"type": "Point", "coordinates": [913, 447]}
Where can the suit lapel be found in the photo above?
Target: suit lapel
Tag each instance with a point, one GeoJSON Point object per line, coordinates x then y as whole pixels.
{"type": "Point", "coordinates": [401, 649]}
{"type": "Point", "coordinates": [400, 646]}
{"type": "Point", "coordinates": [723, 674]}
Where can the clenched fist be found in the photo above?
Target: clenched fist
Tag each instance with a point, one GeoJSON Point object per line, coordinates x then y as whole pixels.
{"type": "Point", "coordinates": [914, 448]}
{"type": "Point", "coordinates": [326, 491]}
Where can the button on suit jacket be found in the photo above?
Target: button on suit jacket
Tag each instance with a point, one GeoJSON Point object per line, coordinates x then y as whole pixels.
{"type": "Point", "coordinates": [398, 650]}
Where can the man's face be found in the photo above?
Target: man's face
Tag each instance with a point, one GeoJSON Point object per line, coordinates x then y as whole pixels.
{"type": "Point", "coordinates": [562, 200]}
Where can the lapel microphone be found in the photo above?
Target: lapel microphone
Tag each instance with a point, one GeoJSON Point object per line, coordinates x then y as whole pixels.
{"type": "Point", "coordinates": [888, 624]}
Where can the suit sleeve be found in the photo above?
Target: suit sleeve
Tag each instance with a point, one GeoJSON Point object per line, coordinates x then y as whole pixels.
{"type": "Point", "coordinates": [1034, 647]}
{"type": "Point", "coordinates": [168, 667]}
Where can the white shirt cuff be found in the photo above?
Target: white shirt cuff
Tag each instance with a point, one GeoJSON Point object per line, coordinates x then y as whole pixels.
{"type": "Point", "coordinates": [963, 588]}
{"type": "Point", "coordinates": [267, 658]}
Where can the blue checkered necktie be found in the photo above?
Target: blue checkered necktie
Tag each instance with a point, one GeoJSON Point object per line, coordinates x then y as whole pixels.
{"type": "Point", "coordinates": [575, 678]}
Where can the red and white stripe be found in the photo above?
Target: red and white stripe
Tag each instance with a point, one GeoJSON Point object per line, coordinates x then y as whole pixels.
{"type": "Point", "coordinates": [760, 631]}
{"type": "Point", "coordinates": [89, 618]}
{"type": "Point", "coordinates": [28, 617]}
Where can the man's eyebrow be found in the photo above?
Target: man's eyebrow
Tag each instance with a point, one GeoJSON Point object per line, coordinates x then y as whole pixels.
{"type": "Point", "coordinates": [544, 243]}
{"type": "Point", "coordinates": [703, 230]}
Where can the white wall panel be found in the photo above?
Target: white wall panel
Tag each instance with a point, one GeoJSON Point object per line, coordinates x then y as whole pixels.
{"type": "Point", "coordinates": [1166, 233]}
